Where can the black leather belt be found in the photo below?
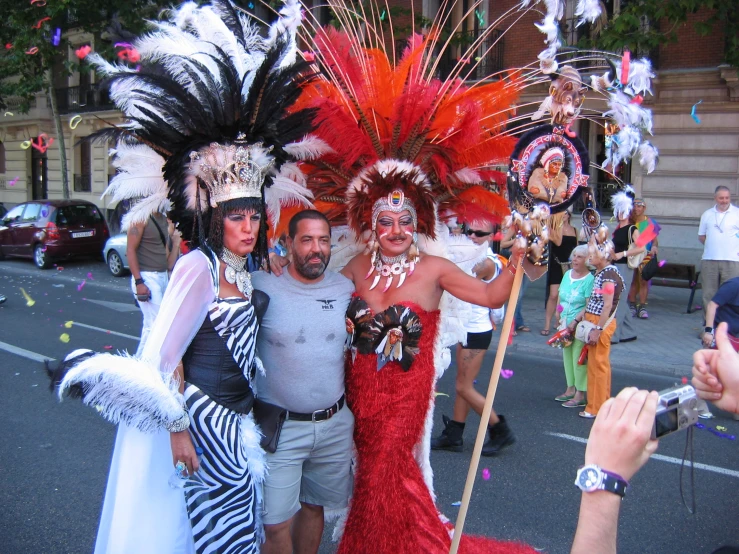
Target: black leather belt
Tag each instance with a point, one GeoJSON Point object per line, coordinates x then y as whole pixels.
{"type": "Point", "coordinates": [318, 415]}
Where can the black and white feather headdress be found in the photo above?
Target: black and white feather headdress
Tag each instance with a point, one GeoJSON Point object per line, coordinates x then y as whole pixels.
{"type": "Point", "coordinates": [209, 75]}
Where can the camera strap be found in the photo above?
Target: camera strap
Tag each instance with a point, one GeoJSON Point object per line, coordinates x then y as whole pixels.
{"type": "Point", "coordinates": [688, 442]}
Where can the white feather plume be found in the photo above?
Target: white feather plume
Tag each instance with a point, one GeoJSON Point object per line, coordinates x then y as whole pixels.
{"type": "Point", "coordinates": [467, 175]}
{"type": "Point", "coordinates": [648, 156]}
{"type": "Point", "coordinates": [126, 389]}
{"type": "Point", "coordinates": [139, 173]}
{"type": "Point", "coordinates": [310, 148]}
{"type": "Point", "coordinates": [640, 76]}
{"type": "Point", "coordinates": [141, 210]}
{"type": "Point", "coordinates": [588, 10]}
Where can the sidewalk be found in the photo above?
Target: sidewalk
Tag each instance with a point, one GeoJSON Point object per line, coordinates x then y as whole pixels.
{"type": "Point", "coordinates": [665, 342]}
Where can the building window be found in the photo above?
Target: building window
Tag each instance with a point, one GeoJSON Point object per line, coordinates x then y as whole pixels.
{"type": "Point", "coordinates": [83, 167]}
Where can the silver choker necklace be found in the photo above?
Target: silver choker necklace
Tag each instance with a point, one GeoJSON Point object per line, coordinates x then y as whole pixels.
{"type": "Point", "coordinates": [389, 268]}
{"type": "Point", "coordinates": [236, 272]}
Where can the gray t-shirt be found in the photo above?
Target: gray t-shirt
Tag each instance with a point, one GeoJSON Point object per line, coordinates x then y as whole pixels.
{"type": "Point", "coordinates": [301, 340]}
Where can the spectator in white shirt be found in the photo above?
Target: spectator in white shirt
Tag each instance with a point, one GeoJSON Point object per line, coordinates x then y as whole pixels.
{"type": "Point", "coordinates": [719, 233]}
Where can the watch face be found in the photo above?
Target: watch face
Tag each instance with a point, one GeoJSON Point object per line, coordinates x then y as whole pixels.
{"type": "Point", "coordinates": [589, 479]}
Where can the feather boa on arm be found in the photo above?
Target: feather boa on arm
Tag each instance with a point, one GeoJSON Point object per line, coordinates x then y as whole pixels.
{"type": "Point", "coordinates": [122, 388]}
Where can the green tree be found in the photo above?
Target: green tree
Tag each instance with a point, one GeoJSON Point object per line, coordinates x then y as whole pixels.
{"type": "Point", "coordinates": [643, 25]}
{"type": "Point", "coordinates": [28, 55]}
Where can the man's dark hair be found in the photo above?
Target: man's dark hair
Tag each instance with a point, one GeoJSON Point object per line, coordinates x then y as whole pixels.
{"type": "Point", "coordinates": [306, 214]}
{"type": "Point", "coordinates": [721, 187]}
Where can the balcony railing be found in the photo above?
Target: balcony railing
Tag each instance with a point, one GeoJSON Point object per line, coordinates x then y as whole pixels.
{"type": "Point", "coordinates": [82, 183]}
{"type": "Point", "coordinates": [487, 56]}
{"type": "Point", "coordinates": [90, 98]}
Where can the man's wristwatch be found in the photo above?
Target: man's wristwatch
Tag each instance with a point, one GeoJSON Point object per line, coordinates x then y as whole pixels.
{"type": "Point", "coordinates": [591, 478]}
{"type": "Point", "coordinates": [139, 281]}
{"type": "Point", "coordinates": [708, 330]}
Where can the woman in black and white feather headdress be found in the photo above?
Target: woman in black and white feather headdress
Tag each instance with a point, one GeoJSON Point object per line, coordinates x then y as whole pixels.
{"type": "Point", "coordinates": [213, 138]}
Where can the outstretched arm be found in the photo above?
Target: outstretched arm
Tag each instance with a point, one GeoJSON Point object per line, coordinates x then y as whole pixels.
{"type": "Point", "coordinates": [493, 295]}
{"type": "Point", "coordinates": [620, 443]}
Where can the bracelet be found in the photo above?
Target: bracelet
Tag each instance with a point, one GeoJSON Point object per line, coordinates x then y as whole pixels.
{"type": "Point", "coordinates": [139, 281]}
{"type": "Point", "coordinates": [178, 425]}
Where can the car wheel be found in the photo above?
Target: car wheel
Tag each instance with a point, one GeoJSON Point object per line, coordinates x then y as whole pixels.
{"type": "Point", "coordinates": [40, 258]}
{"type": "Point", "coordinates": [115, 264]}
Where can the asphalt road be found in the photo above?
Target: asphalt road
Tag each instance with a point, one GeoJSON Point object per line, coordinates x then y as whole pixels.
{"type": "Point", "coordinates": [55, 456]}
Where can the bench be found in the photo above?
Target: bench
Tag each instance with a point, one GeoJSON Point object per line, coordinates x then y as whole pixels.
{"type": "Point", "coordinates": [681, 276]}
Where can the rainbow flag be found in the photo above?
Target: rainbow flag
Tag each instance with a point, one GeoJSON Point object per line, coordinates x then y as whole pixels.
{"type": "Point", "coordinates": [648, 231]}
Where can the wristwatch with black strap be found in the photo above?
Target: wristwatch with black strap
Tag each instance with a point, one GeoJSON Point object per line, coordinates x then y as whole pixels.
{"type": "Point", "coordinates": [591, 478]}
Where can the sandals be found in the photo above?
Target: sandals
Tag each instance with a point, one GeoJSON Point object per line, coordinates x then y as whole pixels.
{"type": "Point", "coordinates": [642, 313]}
{"type": "Point", "coordinates": [632, 309]}
{"type": "Point", "coordinates": [544, 332]}
{"type": "Point", "coordinates": [564, 397]}
{"type": "Point", "coordinates": [523, 328]}
{"type": "Point", "coordinates": [586, 415]}
{"type": "Point", "coordinates": [575, 404]}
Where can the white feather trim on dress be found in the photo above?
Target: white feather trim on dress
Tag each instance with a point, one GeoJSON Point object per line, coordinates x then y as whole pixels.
{"type": "Point", "coordinates": [125, 389]}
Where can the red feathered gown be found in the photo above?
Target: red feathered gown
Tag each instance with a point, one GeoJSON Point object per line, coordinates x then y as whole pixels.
{"type": "Point", "coordinates": [392, 511]}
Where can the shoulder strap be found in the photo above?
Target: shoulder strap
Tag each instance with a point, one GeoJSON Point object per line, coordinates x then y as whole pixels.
{"type": "Point", "coordinates": [161, 233]}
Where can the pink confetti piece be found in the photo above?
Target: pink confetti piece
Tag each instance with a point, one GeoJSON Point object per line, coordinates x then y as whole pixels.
{"type": "Point", "coordinates": [309, 56]}
{"type": "Point", "coordinates": [486, 474]}
{"type": "Point", "coordinates": [108, 347]}
{"type": "Point", "coordinates": [89, 276]}
{"type": "Point", "coordinates": [32, 51]}
{"type": "Point", "coordinates": [14, 181]}
{"type": "Point", "coordinates": [685, 380]}
{"type": "Point", "coordinates": [59, 268]}
{"type": "Point", "coordinates": [506, 373]}
{"type": "Point", "coordinates": [83, 51]}
{"type": "Point", "coordinates": [560, 308]}
{"type": "Point", "coordinates": [661, 263]}
{"type": "Point", "coordinates": [40, 22]}
{"type": "Point", "coordinates": [82, 284]}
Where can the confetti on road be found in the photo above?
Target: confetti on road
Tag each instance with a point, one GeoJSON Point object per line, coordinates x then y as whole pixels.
{"type": "Point", "coordinates": [82, 284]}
{"type": "Point", "coordinates": [685, 380]}
{"type": "Point", "coordinates": [721, 428]}
{"type": "Point", "coordinates": [108, 347]}
{"type": "Point", "coordinates": [89, 276]}
{"type": "Point", "coordinates": [64, 337]}
{"type": "Point", "coordinates": [457, 503]}
{"type": "Point", "coordinates": [486, 474]}
{"type": "Point", "coordinates": [59, 268]}
{"type": "Point", "coordinates": [69, 324]}
{"type": "Point", "coordinates": [506, 373]}
{"type": "Point", "coordinates": [29, 301]}
{"type": "Point", "coordinates": [58, 286]}
{"type": "Point", "coordinates": [440, 394]}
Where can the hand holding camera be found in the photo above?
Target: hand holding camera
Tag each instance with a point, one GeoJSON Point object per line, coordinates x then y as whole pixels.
{"type": "Point", "coordinates": [716, 373]}
{"type": "Point", "coordinates": [620, 440]}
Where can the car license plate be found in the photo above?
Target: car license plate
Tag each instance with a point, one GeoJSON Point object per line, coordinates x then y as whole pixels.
{"type": "Point", "coordinates": [83, 234]}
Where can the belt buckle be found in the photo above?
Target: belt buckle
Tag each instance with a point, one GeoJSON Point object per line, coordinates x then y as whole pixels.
{"type": "Point", "coordinates": [313, 416]}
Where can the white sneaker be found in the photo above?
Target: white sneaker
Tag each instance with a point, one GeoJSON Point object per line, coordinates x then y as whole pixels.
{"type": "Point", "coordinates": [706, 415]}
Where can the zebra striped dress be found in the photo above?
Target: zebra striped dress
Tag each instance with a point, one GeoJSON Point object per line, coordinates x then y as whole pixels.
{"type": "Point", "coordinates": [224, 497]}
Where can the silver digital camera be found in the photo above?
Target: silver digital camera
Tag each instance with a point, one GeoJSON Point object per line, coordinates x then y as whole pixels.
{"type": "Point", "coordinates": [678, 409]}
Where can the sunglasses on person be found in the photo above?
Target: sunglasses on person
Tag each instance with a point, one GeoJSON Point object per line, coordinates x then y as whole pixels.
{"type": "Point", "coordinates": [639, 204]}
{"type": "Point", "coordinates": [480, 234]}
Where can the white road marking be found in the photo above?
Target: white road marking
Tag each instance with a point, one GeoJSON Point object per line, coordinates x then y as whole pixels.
{"type": "Point", "coordinates": [660, 457]}
{"type": "Point", "coordinates": [117, 306]}
{"type": "Point", "coordinates": [106, 331]}
{"type": "Point", "coordinates": [25, 353]}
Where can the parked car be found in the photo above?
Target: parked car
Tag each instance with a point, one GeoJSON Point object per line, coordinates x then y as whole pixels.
{"type": "Point", "coordinates": [48, 230]}
{"type": "Point", "coordinates": [115, 254]}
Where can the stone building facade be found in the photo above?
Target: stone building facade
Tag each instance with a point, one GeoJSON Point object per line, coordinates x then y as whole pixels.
{"type": "Point", "coordinates": [694, 159]}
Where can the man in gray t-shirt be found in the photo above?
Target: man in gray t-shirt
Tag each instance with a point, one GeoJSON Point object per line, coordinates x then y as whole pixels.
{"type": "Point", "coordinates": [301, 344]}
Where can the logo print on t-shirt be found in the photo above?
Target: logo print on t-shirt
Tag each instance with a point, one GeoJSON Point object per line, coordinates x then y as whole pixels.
{"type": "Point", "coordinates": [327, 304]}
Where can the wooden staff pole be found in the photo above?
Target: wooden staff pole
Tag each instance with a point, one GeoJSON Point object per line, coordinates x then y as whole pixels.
{"type": "Point", "coordinates": [485, 417]}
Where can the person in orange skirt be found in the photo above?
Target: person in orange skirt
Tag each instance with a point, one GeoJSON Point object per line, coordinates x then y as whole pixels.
{"type": "Point", "coordinates": [600, 310]}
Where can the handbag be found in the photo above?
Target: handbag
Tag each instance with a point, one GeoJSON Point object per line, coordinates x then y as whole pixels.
{"type": "Point", "coordinates": [634, 261]}
{"type": "Point", "coordinates": [649, 269]}
{"type": "Point", "coordinates": [270, 419]}
{"type": "Point", "coordinates": [583, 329]}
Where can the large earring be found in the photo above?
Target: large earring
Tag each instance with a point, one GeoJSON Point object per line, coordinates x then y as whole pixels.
{"type": "Point", "coordinates": [413, 250]}
{"type": "Point", "coordinates": [374, 248]}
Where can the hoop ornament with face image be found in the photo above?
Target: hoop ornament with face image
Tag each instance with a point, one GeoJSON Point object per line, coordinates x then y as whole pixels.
{"type": "Point", "coordinates": [547, 166]}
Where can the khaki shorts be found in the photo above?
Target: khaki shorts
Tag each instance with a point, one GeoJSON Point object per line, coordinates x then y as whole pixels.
{"type": "Point", "coordinates": [312, 464]}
